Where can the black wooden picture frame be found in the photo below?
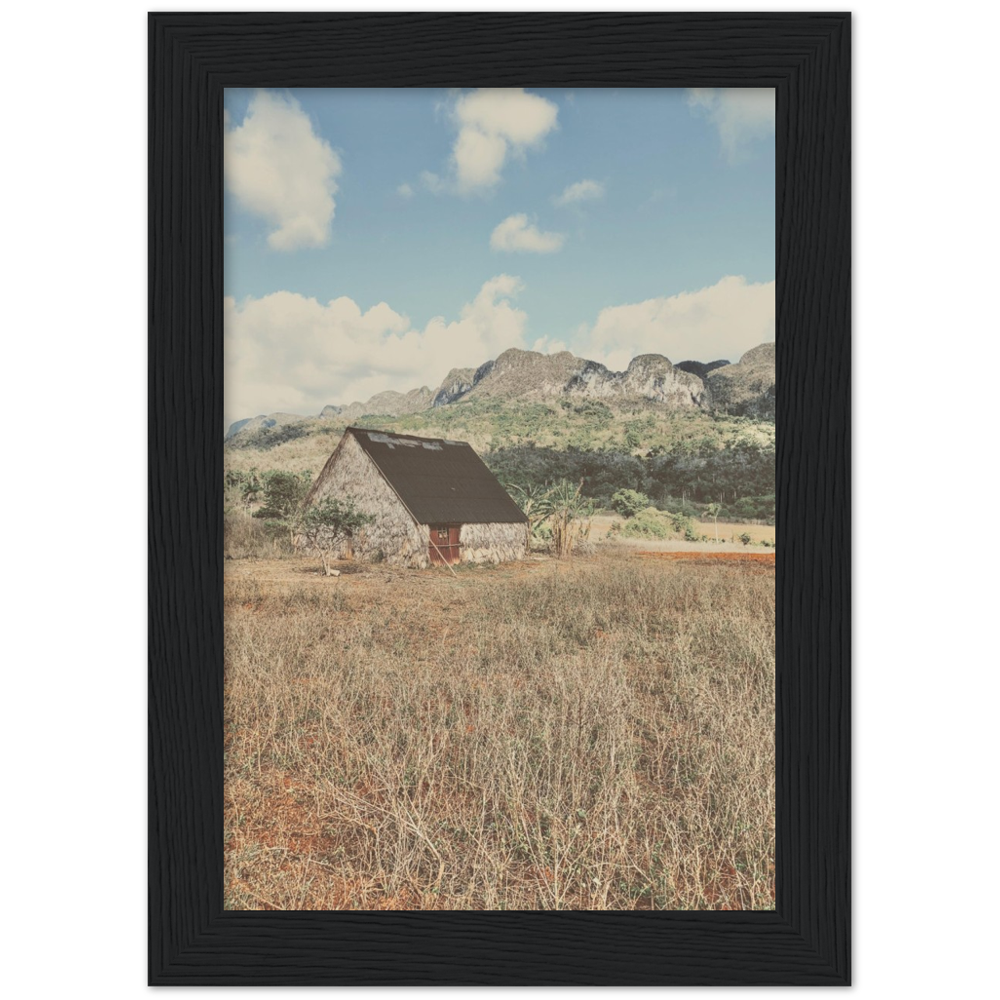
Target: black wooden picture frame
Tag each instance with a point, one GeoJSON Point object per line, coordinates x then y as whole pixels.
{"type": "Point", "coordinates": [192, 940]}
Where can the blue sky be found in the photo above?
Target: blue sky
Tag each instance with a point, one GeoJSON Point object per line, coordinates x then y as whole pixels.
{"type": "Point", "coordinates": [377, 238]}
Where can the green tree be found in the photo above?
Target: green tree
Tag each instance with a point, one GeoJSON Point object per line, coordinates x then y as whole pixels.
{"type": "Point", "coordinates": [628, 503]}
{"type": "Point", "coordinates": [326, 523]}
{"type": "Point", "coordinates": [283, 493]}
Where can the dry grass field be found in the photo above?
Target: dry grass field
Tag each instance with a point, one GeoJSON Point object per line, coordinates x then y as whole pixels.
{"type": "Point", "coordinates": [593, 734]}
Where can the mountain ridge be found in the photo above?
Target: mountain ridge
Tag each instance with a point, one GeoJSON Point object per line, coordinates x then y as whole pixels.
{"type": "Point", "coordinates": [744, 388]}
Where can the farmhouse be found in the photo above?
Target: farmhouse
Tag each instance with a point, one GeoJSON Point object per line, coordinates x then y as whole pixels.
{"type": "Point", "coordinates": [433, 501]}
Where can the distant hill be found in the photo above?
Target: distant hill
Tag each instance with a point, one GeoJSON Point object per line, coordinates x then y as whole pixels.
{"type": "Point", "coordinates": [526, 377]}
{"type": "Point", "coordinates": [251, 425]}
{"type": "Point", "coordinates": [746, 389]}
{"type": "Point", "coordinates": [396, 403]}
{"type": "Point", "coordinates": [699, 368]}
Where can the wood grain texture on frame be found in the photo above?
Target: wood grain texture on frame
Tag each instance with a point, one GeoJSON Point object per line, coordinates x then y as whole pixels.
{"type": "Point", "coordinates": [192, 57]}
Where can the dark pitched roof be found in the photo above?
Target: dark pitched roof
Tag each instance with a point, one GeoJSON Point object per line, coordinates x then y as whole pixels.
{"type": "Point", "coordinates": [438, 480]}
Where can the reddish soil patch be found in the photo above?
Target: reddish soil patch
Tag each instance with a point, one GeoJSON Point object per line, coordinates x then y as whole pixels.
{"type": "Point", "coordinates": [765, 558]}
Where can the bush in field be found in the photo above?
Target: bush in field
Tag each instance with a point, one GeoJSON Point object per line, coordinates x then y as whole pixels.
{"type": "Point", "coordinates": [326, 523]}
{"type": "Point", "coordinates": [648, 523]}
{"type": "Point", "coordinates": [628, 503]}
{"type": "Point", "coordinates": [682, 524]}
{"type": "Point", "coordinates": [745, 538]}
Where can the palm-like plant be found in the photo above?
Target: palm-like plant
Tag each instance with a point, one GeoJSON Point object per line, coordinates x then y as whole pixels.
{"type": "Point", "coordinates": [561, 507]}
{"type": "Point", "coordinates": [531, 500]}
{"type": "Point", "coordinates": [713, 510]}
{"type": "Point", "coordinates": [568, 513]}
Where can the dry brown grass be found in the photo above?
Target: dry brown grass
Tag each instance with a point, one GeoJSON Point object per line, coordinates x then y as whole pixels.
{"type": "Point", "coordinates": [594, 735]}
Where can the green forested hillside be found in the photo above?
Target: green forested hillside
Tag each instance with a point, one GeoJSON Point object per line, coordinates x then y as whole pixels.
{"type": "Point", "coordinates": [677, 458]}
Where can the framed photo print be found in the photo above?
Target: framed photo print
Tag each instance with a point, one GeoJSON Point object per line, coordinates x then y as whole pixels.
{"type": "Point", "coordinates": [499, 438]}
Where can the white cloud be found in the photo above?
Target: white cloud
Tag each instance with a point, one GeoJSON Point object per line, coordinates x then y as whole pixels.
{"type": "Point", "coordinates": [279, 169]}
{"type": "Point", "coordinates": [286, 352]}
{"type": "Point", "coordinates": [742, 115]}
{"type": "Point", "coordinates": [432, 182]}
{"type": "Point", "coordinates": [523, 119]}
{"type": "Point", "coordinates": [581, 191]}
{"type": "Point", "coordinates": [479, 157]}
{"type": "Point", "coordinates": [515, 233]}
{"type": "Point", "coordinates": [545, 346]}
{"type": "Point", "coordinates": [404, 191]}
{"type": "Point", "coordinates": [721, 321]}
{"type": "Point", "coordinates": [492, 125]}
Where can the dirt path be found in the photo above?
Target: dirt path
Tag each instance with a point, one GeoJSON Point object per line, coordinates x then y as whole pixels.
{"type": "Point", "coordinates": [296, 573]}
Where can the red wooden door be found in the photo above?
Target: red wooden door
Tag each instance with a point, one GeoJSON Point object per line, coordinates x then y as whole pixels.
{"type": "Point", "coordinates": [444, 545]}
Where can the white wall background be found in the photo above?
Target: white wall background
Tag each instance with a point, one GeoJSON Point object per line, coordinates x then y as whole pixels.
{"type": "Point", "coordinates": [927, 752]}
